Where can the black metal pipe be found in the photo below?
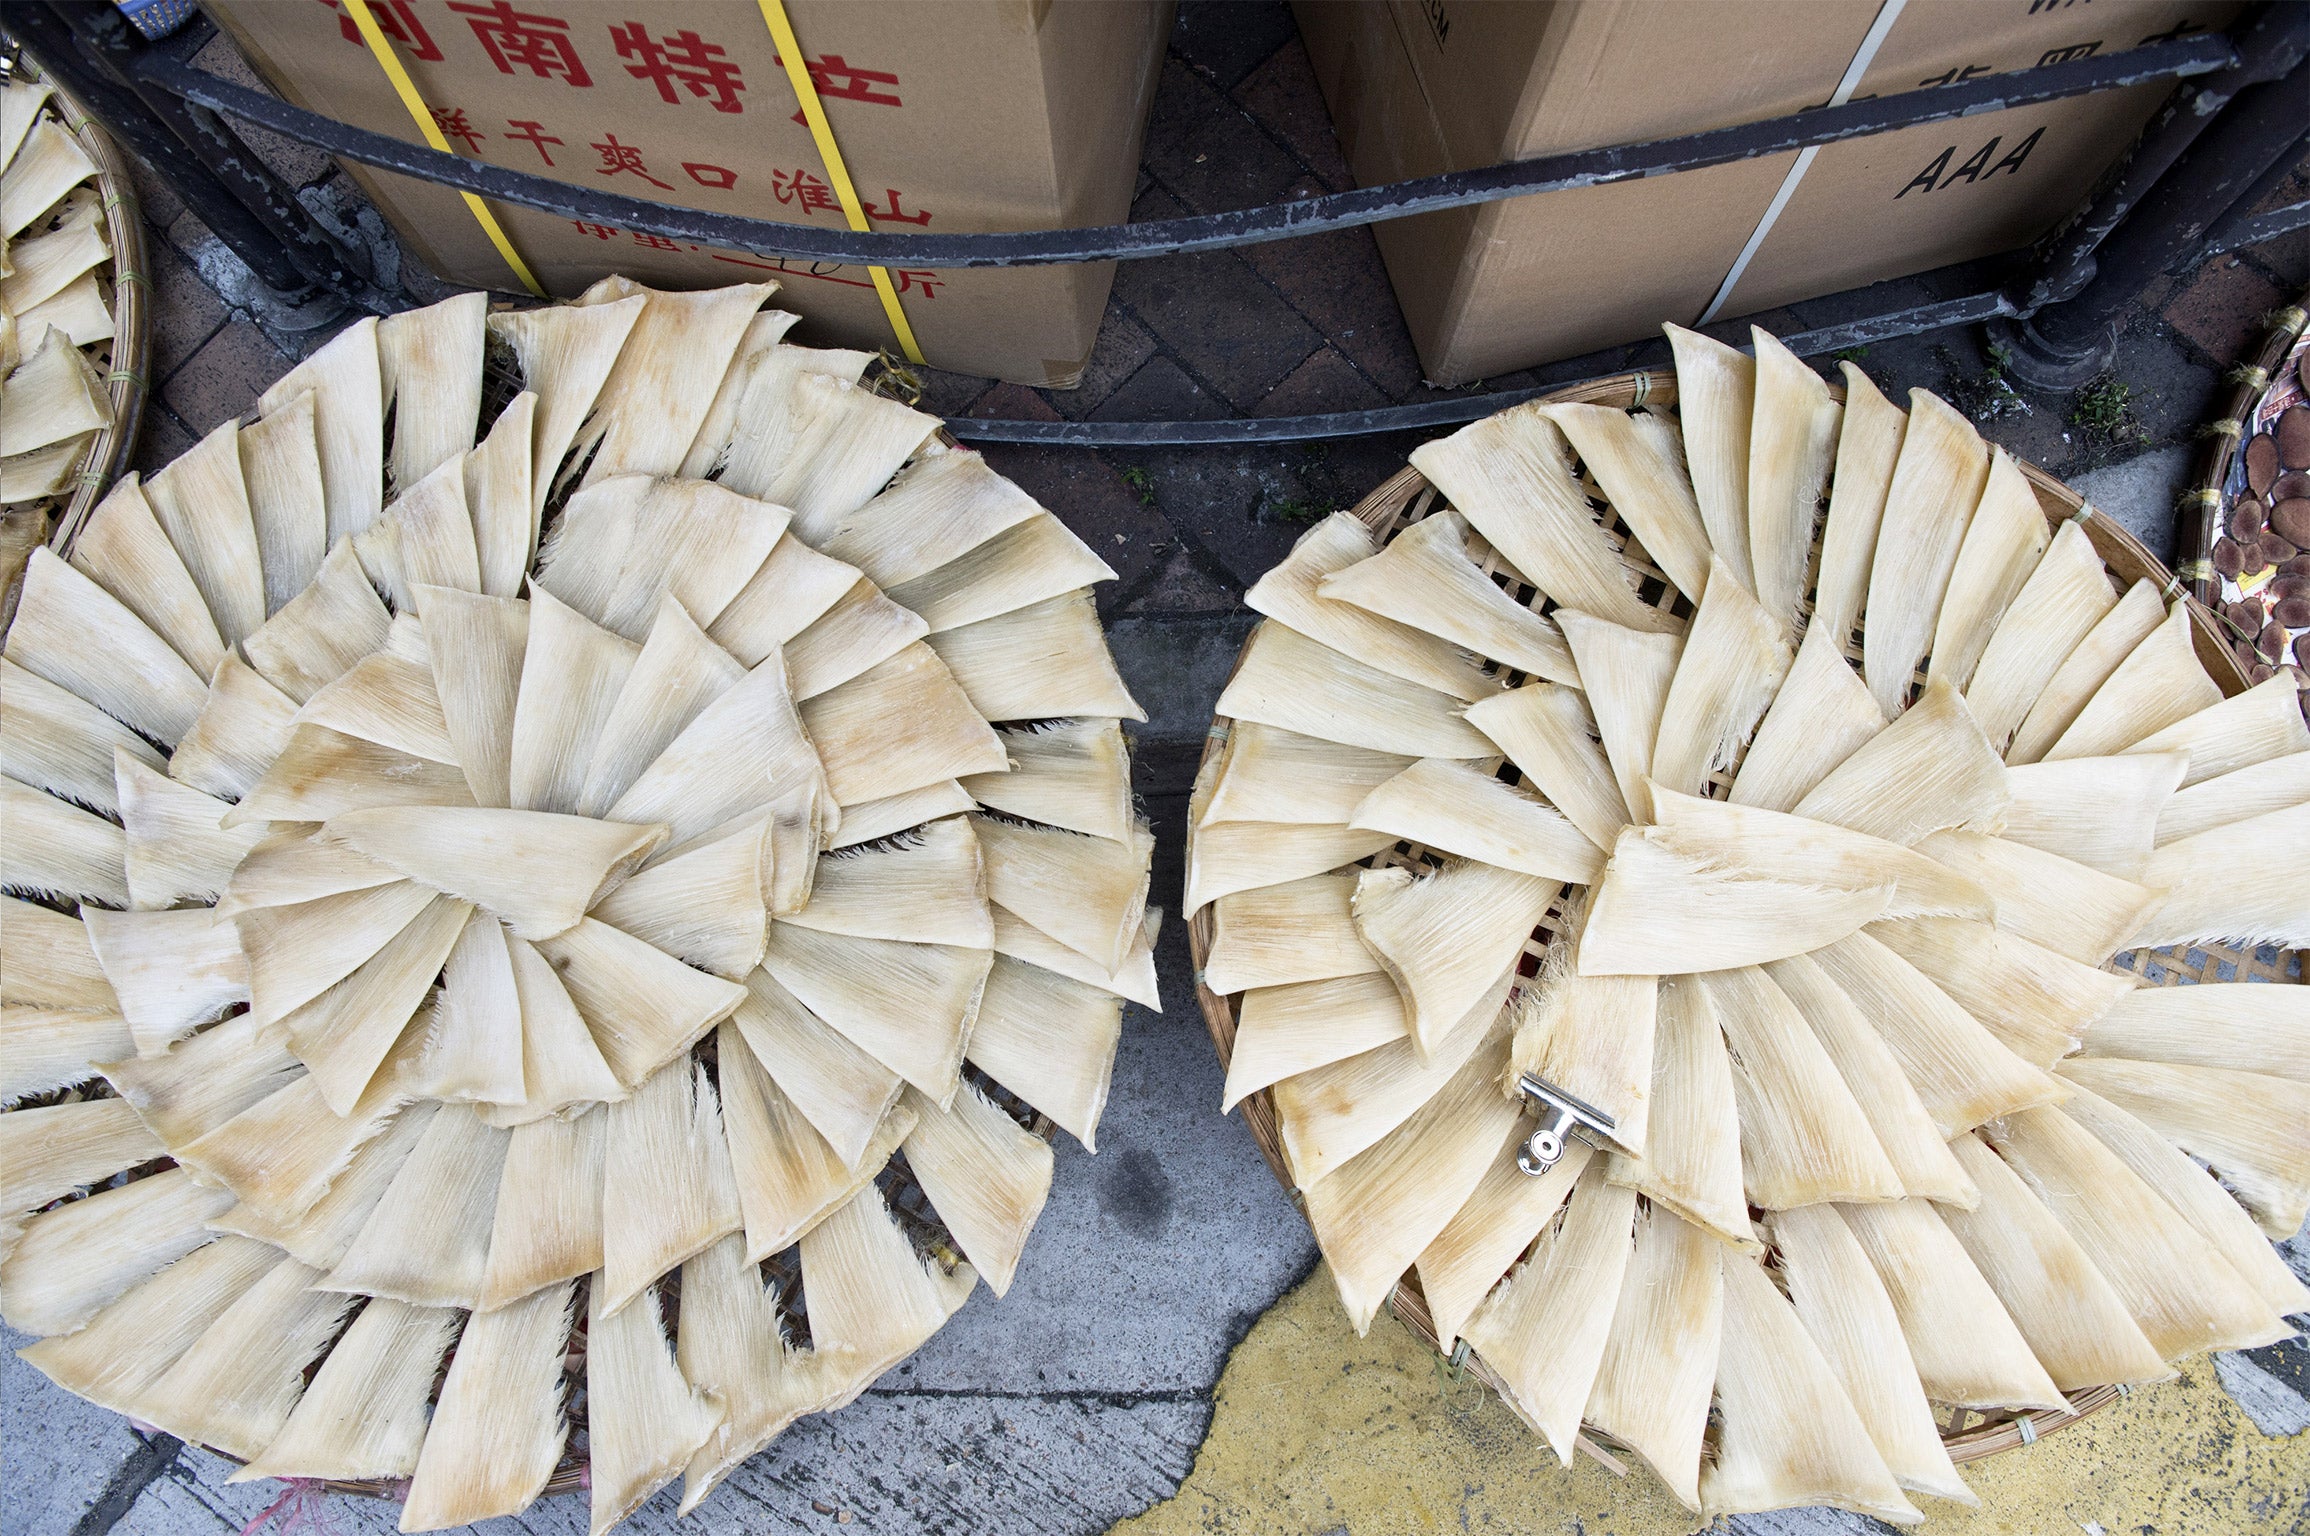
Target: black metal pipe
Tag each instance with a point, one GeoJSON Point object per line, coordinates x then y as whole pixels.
{"type": "Point", "coordinates": [122, 114]}
{"type": "Point", "coordinates": [2180, 57]}
{"type": "Point", "coordinates": [118, 49]}
{"type": "Point", "coordinates": [2270, 40]}
{"type": "Point", "coordinates": [2063, 345]}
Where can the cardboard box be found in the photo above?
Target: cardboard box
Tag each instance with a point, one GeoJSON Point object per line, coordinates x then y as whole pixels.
{"type": "Point", "coordinates": [1423, 86]}
{"type": "Point", "coordinates": [954, 116]}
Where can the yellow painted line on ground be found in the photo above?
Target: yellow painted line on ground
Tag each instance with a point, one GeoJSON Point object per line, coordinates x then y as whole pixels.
{"type": "Point", "coordinates": [1317, 1430]}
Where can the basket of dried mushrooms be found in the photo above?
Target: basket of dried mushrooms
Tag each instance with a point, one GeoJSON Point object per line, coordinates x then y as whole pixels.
{"type": "Point", "coordinates": [557, 924]}
{"type": "Point", "coordinates": [1666, 933]}
{"type": "Point", "coordinates": [74, 338]}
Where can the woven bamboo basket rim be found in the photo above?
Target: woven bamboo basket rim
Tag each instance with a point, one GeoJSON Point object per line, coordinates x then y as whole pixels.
{"type": "Point", "coordinates": [1405, 496]}
{"type": "Point", "coordinates": [127, 358]}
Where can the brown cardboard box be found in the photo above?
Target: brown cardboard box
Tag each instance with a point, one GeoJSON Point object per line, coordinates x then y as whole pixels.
{"type": "Point", "coordinates": [1422, 86]}
{"type": "Point", "coordinates": [954, 116]}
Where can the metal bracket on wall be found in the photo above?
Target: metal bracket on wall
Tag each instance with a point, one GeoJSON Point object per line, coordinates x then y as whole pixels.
{"type": "Point", "coordinates": [168, 113]}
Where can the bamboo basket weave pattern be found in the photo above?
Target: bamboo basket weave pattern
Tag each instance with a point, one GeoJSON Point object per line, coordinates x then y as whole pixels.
{"type": "Point", "coordinates": [1405, 498]}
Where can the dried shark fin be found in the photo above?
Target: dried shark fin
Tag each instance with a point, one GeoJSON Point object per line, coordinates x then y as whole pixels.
{"type": "Point", "coordinates": [280, 1155]}
{"type": "Point", "coordinates": [668, 1189]}
{"type": "Point", "coordinates": [872, 1300]}
{"type": "Point", "coordinates": [642, 1006]}
{"type": "Point", "coordinates": [877, 819]}
{"type": "Point", "coordinates": [1544, 1330]}
{"type": "Point", "coordinates": [234, 1388]}
{"type": "Point", "coordinates": [2182, 1297]}
{"type": "Point", "coordinates": [2205, 900]}
{"type": "Point", "coordinates": [45, 162]}
{"type": "Point", "coordinates": [2196, 1195]}
{"type": "Point", "coordinates": [497, 493]}
{"type": "Point", "coordinates": [987, 1177]}
{"type": "Point", "coordinates": [1548, 732]}
{"type": "Point", "coordinates": [936, 510]}
{"type": "Point", "coordinates": [474, 1052]}
{"type": "Point", "coordinates": [172, 971]}
{"type": "Point", "coordinates": [2066, 595]}
{"type": "Point", "coordinates": [1291, 593]}
{"type": "Point", "coordinates": [1873, 1074]}
{"type": "Point", "coordinates": [900, 725]}
{"type": "Point", "coordinates": [1692, 1162]}
{"type": "Point", "coordinates": [201, 1083]}
{"type": "Point", "coordinates": [53, 396]}
{"type": "Point", "coordinates": [2101, 812]}
{"type": "Point", "coordinates": [429, 376]}
{"type": "Point", "coordinates": [73, 633]}
{"type": "Point", "coordinates": [364, 1415]}
{"type": "Point", "coordinates": [1943, 465]}
{"type": "Point", "coordinates": [1038, 663]}
{"type": "Point", "coordinates": [1637, 457]}
{"type": "Point", "coordinates": [788, 1179]}
{"type": "Point", "coordinates": [547, 1225]}
{"type": "Point", "coordinates": [294, 865]}
{"type": "Point", "coordinates": [2074, 1322]}
{"type": "Point", "coordinates": [2003, 543]}
{"type": "Point", "coordinates": [202, 504]}
{"type": "Point", "coordinates": [930, 889]}
{"type": "Point", "coordinates": [2159, 683]}
{"type": "Point", "coordinates": [1453, 807]}
{"type": "Point", "coordinates": [1300, 930]}
{"type": "Point", "coordinates": [1792, 442]}
{"type": "Point", "coordinates": [1735, 657]}
{"type": "Point", "coordinates": [1286, 680]}
{"type": "Point", "coordinates": [1804, 1139]}
{"type": "Point", "coordinates": [1967, 1351]}
{"type": "Point", "coordinates": [1074, 774]}
{"type": "Point", "coordinates": [758, 347]}
{"type": "Point", "coordinates": [734, 1349]}
{"type": "Point", "coordinates": [694, 542]}
{"type": "Point", "coordinates": [537, 871]}
{"type": "Point", "coordinates": [861, 630]}
{"type": "Point", "coordinates": [73, 1261]}
{"type": "Point", "coordinates": [2036, 1003]}
{"type": "Point", "coordinates": [242, 729]}
{"type": "Point", "coordinates": [2085, 667]}
{"type": "Point", "coordinates": [319, 634]}
{"type": "Point", "coordinates": [424, 538]}
{"type": "Point", "coordinates": [1089, 893]}
{"type": "Point", "coordinates": [123, 550]}
{"type": "Point", "coordinates": [664, 381]}
{"type": "Point", "coordinates": [1767, 845]}
{"type": "Point", "coordinates": [1503, 1214]}
{"type": "Point", "coordinates": [561, 1064]}
{"type": "Point", "coordinates": [1590, 1035]}
{"type": "Point", "coordinates": [1659, 911]}
{"type": "Point", "coordinates": [47, 1153]}
{"type": "Point", "coordinates": [387, 698]}
{"type": "Point", "coordinates": [572, 673]}
{"type": "Point", "coordinates": [346, 1034]}
{"type": "Point", "coordinates": [708, 907]}
{"type": "Point", "coordinates": [587, 552]}
{"type": "Point", "coordinates": [2069, 908]}
{"type": "Point", "coordinates": [1376, 1215]}
{"type": "Point", "coordinates": [2263, 723]}
{"type": "Point", "coordinates": [498, 1430]}
{"type": "Point", "coordinates": [1331, 1113]}
{"type": "Point", "coordinates": [742, 751]}
{"type": "Point", "coordinates": [1716, 389]}
{"type": "Point", "coordinates": [1626, 676]}
{"type": "Point", "coordinates": [2228, 1026]}
{"type": "Point", "coordinates": [1850, 1319]}
{"type": "Point", "coordinates": [474, 646]}
{"type": "Point", "coordinates": [296, 952]}
{"type": "Point", "coordinates": [1658, 1370]}
{"type": "Point", "coordinates": [1269, 774]}
{"type": "Point", "coordinates": [909, 1006]}
{"type": "Point", "coordinates": [1508, 476]}
{"type": "Point", "coordinates": [54, 740]}
{"type": "Point", "coordinates": [1282, 1031]}
{"type": "Point", "coordinates": [818, 443]}
{"type": "Point", "coordinates": [347, 385]}
{"type": "Point", "coordinates": [324, 1232]}
{"type": "Point", "coordinates": [843, 1092]}
{"type": "Point", "coordinates": [1050, 1039]}
{"type": "Point", "coordinates": [55, 848]}
{"type": "Point", "coordinates": [46, 957]}
{"type": "Point", "coordinates": [129, 1346]}
{"type": "Point", "coordinates": [175, 849]}
{"type": "Point", "coordinates": [1929, 770]}
{"type": "Point", "coordinates": [1962, 1075]}
{"type": "Point", "coordinates": [565, 352]}
{"type": "Point", "coordinates": [1426, 580]}
{"type": "Point", "coordinates": [1028, 563]}
{"type": "Point", "coordinates": [44, 1049]}
{"type": "Point", "coordinates": [794, 587]}
{"type": "Point", "coordinates": [1443, 938]}
{"type": "Point", "coordinates": [2253, 1129]}
{"type": "Point", "coordinates": [676, 675]}
{"type": "Point", "coordinates": [281, 470]}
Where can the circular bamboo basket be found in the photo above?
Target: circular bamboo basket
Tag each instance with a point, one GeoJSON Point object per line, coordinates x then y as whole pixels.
{"type": "Point", "coordinates": [1406, 497]}
{"type": "Point", "coordinates": [125, 361]}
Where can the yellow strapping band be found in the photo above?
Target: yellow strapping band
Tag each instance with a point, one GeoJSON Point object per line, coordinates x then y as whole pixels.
{"type": "Point", "coordinates": [407, 91]}
{"type": "Point", "coordinates": [814, 113]}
